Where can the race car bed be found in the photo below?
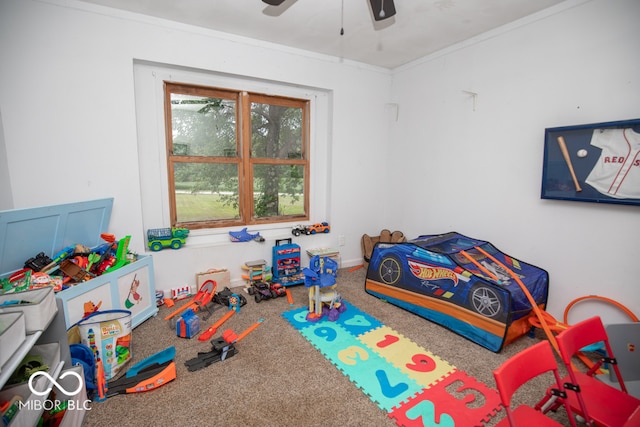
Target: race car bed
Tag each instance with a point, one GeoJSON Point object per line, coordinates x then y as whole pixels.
{"type": "Point", "coordinates": [461, 283]}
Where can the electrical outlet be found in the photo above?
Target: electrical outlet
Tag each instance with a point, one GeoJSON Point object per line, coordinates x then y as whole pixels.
{"type": "Point", "coordinates": [341, 240]}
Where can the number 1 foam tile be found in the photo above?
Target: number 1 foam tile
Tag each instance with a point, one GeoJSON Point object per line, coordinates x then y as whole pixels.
{"type": "Point", "coordinates": [417, 363]}
{"type": "Point", "coordinates": [458, 397]}
{"type": "Point", "coordinates": [384, 384]}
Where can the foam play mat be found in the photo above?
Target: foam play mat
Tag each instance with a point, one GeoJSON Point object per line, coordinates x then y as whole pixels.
{"type": "Point", "coordinates": [414, 386]}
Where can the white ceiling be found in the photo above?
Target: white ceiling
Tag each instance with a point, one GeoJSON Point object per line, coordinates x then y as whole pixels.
{"type": "Point", "coordinates": [419, 28]}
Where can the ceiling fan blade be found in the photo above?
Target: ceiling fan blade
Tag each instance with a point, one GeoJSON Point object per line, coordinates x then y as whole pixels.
{"type": "Point", "coordinates": [382, 9]}
{"type": "Point", "coordinates": [274, 2]}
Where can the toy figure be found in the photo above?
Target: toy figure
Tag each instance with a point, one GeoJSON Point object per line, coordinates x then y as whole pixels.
{"type": "Point", "coordinates": [244, 236]}
{"type": "Point", "coordinates": [324, 300]}
{"type": "Point", "coordinates": [90, 308]}
{"type": "Point", "coordinates": [134, 297]}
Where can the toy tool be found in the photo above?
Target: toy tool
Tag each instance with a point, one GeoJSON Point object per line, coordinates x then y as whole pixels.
{"type": "Point", "coordinates": [221, 348]}
{"type": "Point", "coordinates": [148, 374]}
{"type": "Point", "coordinates": [201, 299]}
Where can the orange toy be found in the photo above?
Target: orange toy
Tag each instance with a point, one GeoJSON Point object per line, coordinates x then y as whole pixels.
{"type": "Point", "coordinates": [213, 328]}
{"type": "Point", "coordinates": [234, 306]}
{"type": "Point", "coordinates": [201, 299]}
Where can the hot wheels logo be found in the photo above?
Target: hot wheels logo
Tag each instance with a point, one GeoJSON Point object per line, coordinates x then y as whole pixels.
{"type": "Point", "coordinates": [427, 272]}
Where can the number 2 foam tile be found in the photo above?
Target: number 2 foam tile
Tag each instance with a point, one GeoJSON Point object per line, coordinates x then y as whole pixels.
{"type": "Point", "coordinates": [457, 400]}
{"type": "Point", "coordinates": [417, 363]}
{"type": "Point", "coordinates": [384, 384]}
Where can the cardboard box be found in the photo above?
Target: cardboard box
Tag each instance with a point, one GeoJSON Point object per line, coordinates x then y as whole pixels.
{"type": "Point", "coordinates": [219, 275]}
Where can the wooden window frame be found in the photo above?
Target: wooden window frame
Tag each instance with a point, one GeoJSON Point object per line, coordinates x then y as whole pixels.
{"type": "Point", "coordinates": [243, 159]}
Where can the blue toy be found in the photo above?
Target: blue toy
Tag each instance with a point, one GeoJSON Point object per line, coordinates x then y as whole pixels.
{"type": "Point", "coordinates": [244, 236]}
{"type": "Point", "coordinates": [188, 325]}
{"type": "Point", "coordinates": [324, 300]}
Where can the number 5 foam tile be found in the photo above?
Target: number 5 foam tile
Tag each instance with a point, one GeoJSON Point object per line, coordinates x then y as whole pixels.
{"type": "Point", "coordinates": [458, 398]}
{"type": "Point", "coordinates": [417, 363]}
{"type": "Point", "coordinates": [382, 382]}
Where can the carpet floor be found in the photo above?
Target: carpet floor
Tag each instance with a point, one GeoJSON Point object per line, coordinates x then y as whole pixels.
{"type": "Point", "coordinates": [277, 378]}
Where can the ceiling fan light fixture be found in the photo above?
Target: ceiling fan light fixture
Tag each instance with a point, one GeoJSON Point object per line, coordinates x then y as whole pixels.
{"type": "Point", "coordinates": [274, 2]}
{"type": "Point", "coordinates": [382, 9]}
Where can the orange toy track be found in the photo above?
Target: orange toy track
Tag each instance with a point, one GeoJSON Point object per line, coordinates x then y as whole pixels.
{"type": "Point", "coordinates": [231, 337]}
{"type": "Point", "coordinates": [201, 299]}
{"type": "Point", "coordinates": [534, 305]}
{"type": "Point", "coordinates": [628, 312]}
{"type": "Point", "coordinates": [208, 333]}
{"type": "Point", "coordinates": [546, 321]}
{"type": "Point", "coordinates": [160, 379]}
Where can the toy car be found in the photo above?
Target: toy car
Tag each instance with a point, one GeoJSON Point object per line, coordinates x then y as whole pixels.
{"type": "Point", "coordinates": [263, 290]}
{"type": "Point", "coordinates": [321, 227]}
{"type": "Point", "coordinates": [298, 230]}
{"type": "Point", "coordinates": [159, 238]}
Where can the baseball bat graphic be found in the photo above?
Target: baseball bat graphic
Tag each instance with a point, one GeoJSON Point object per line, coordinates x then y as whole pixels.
{"type": "Point", "coordinates": [567, 159]}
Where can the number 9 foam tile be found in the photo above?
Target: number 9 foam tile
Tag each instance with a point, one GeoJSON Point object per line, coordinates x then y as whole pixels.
{"type": "Point", "coordinates": [413, 385]}
{"type": "Point", "coordinates": [422, 366]}
{"type": "Point", "coordinates": [383, 383]}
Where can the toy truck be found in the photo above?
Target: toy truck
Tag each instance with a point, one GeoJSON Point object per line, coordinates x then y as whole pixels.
{"type": "Point", "coordinates": [320, 227]}
{"type": "Point", "coordinates": [160, 238]}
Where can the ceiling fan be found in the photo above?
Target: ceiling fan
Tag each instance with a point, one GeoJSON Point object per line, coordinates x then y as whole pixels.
{"type": "Point", "coordinates": [382, 9]}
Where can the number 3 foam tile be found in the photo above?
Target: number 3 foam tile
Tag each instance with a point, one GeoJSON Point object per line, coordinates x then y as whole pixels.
{"type": "Point", "coordinates": [457, 397]}
{"type": "Point", "coordinates": [417, 363]}
{"type": "Point", "coordinates": [383, 383]}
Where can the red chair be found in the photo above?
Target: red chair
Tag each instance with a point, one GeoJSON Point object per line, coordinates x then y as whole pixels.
{"type": "Point", "coordinates": [598, 403]}
{"type": "Point", "coordinates": [518, 370]}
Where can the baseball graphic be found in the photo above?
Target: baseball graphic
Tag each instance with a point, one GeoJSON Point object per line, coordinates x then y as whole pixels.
{"type": "Point", "coordinates": [582, 153]}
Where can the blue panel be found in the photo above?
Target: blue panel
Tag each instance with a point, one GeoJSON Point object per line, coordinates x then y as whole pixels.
{"type": "Point", "coordinates": [26, 232]}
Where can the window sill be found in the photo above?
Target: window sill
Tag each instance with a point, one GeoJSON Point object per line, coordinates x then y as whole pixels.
{"type": "Point", "coordinates": [220, 237]}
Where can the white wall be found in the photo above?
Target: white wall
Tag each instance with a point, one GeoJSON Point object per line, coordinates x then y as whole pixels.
{"type": "Point", "coordinates": [479, 172]}
{"type": "Point", "coordinates": [67, 97]}
{"type": "Point", "coordinates": [6, 198]}
{"type": "Point", "coordinates": [68, 110]}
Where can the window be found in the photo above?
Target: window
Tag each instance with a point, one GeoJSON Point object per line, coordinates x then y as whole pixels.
{"type": "Point", "coordinates": [235, 157]}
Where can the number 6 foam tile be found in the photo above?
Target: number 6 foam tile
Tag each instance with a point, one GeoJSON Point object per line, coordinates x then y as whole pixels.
{"type": "Point", "coordinates": [417, 363]}
{"type": "Point", "coordinates": [382, 382]}
{"type": "Point", "coordinates": [297, 317]}
{"type": "Point", "coordinates": [329, 338]}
